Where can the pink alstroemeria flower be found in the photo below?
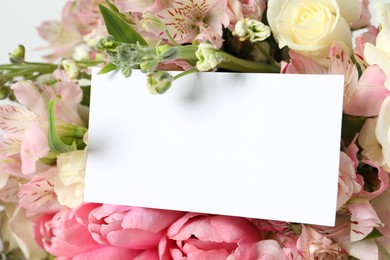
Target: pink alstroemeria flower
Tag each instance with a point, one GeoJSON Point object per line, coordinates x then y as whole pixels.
{"type": "Point", "coordinates": [187, 20]}
{"type": "Point", "coordinates": [368, 97]}
{"type": "Point", "coordinates": [363, 218]}
{"type": "Point", "coordinates": [313, 245]}
{"type": "Point", "coordinates": [38, 196]}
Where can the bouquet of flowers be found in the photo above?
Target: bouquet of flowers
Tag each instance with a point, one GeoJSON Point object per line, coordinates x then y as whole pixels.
{"type": "Point", "coordinates": [44, 142]}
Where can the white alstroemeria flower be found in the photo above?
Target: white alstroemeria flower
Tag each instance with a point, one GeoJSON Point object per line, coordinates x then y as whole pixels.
{"type": "Point", "coordinates": [208, 57]}
{"type": "Point", "coordinates": [69, 183]}
{"type": "Point", "coordinates": [253, 30]}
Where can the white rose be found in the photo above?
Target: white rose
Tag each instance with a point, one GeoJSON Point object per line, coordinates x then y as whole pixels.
{"type": "Point", "coordinates": [374, 137]}
{"type": "Point", "coordinates": [382, 132]}
{"type": "Point", "coordinates": [308, 26]}
{"type": "Point", "coordinates": [380, 54]}
{"type": "Point", "coordinates": [69, 183]}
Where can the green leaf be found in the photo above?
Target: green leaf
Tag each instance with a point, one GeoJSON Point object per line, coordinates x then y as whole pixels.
{"type": "Point", "coordinates": [112, 6]}
{"type": "Point", "coordinates": [86, 95]}
{"type": "Point", "coordinates": [374, 234]}
{"type": "Point", "coordinates": [351, 126]}
{"type": "Point", "coordinates": [119, 28]}
{"type": "Point", "coordinates": [107, 68]}
{"type": "Point", "coordinates": [55, 143]}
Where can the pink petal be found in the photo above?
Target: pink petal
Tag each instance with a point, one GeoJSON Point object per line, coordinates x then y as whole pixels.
{"type": "Point", "coordinates": [134, 5]}
{"type": "Point", "coordinates": [71, 96]}
{"type": "Point", "coordinates": [15, 119]}
{"type": "Point", "coordinates": [370, 93]}
{"type": "Point", "coordinates": [153, 220]}
{"type": "Point", "coordinates": [199, 227]}
{"type": "Point", "coordinates": [220, 254]}
{"type": "Point", "coordinates": [302, 65]}
{"type": "Point", "coordinates": [234, 229]}
{"type": "Point", "coordinates": [134, 238]}
{"type": "Point", "coordinates": [363, 218]}
{"type": "Point", "coordinates": [107, 252]}
{"type": "Point", "coordinates": [34, 146]}
{"type": "Point", "coordinates": [27, 94]}
{"type": "Point", "coordinates": [382, 178]}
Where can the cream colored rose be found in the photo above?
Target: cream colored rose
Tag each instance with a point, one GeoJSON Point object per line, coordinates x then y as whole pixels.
{"type": "Point", "coordinates": [380, 52]}
{"type": "Point", "coordinates": [374, 137]}
{"type": "Point", "coordinates": [308, 26]}
{"type": "Point", "coordinates": [69, 183]}
{"type": "Point", "coordinates": [382, 132]}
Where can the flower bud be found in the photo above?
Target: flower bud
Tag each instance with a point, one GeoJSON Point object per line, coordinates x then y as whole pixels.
{"type": "Point", "coordinates": [17, 56]}
{"type": "Point", "coordinates": [252, 30]}
{"type": "Point", "coordinates": [159, 82]}
{"type": "Point", "coordinates": [166, 52]}
{"type": "Point", "coordinates": [149, 67]}
{"type": "Point", "coordinates": [105, 43]}
{"type": "Point", "coordinates": [208, 57]}
{"type": "Point", "coordinates": [71, 68]}
{"type": "Point", "coordinates": [126, 71]}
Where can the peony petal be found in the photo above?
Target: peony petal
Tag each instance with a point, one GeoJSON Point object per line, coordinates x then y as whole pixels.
{"type": "Point", "coordinates": [201, 228]}
{"type": "Point", "coordinates": [153, 220]}
{"type": "Point", "coordinates": [134, 238]}
{"type": "Point", "coordinates": [235, 230]}
{"type": "Point", "coordinates": [107, 252]}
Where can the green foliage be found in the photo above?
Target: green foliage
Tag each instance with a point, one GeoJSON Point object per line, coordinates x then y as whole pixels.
{"type": "Point", "coordinates": [351, 126]}
{"type": "Point", "coordinates": [119, 28]}
{"type": "Point", "coordinates": [107, 68]}
{"type": "Point", "coordinates": [55, 143]}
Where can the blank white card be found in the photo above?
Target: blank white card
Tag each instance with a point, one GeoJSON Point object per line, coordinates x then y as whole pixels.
{"type": "Point", "coordinates": [253, 145]}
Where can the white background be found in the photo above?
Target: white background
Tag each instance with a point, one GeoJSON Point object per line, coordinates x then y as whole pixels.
{"type": "Point", "coordinates": [19, 20]}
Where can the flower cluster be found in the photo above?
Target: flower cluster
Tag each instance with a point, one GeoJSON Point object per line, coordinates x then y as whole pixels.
{"type": "Point", "coordinates": [43, 148]}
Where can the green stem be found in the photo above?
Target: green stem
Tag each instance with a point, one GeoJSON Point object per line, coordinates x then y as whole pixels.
{"type": "Point", "coordinates": [171, 38]}
{"type": "Point", "coordinates": [266, 54]}
{"type": "Point", "coordinates": [187, 52]}
{"type": "Point", "coordinates": [233, 63]}
{"type": "Point", "coordinates": [178, 76]}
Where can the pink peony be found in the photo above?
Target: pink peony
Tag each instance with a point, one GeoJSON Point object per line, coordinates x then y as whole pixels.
{"type": "Point", "coordinates": [197, 236]}
{"type": "Point", "coordinates": [130, 227]}
{"type": "Point", "coordinates": [65, 235]}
